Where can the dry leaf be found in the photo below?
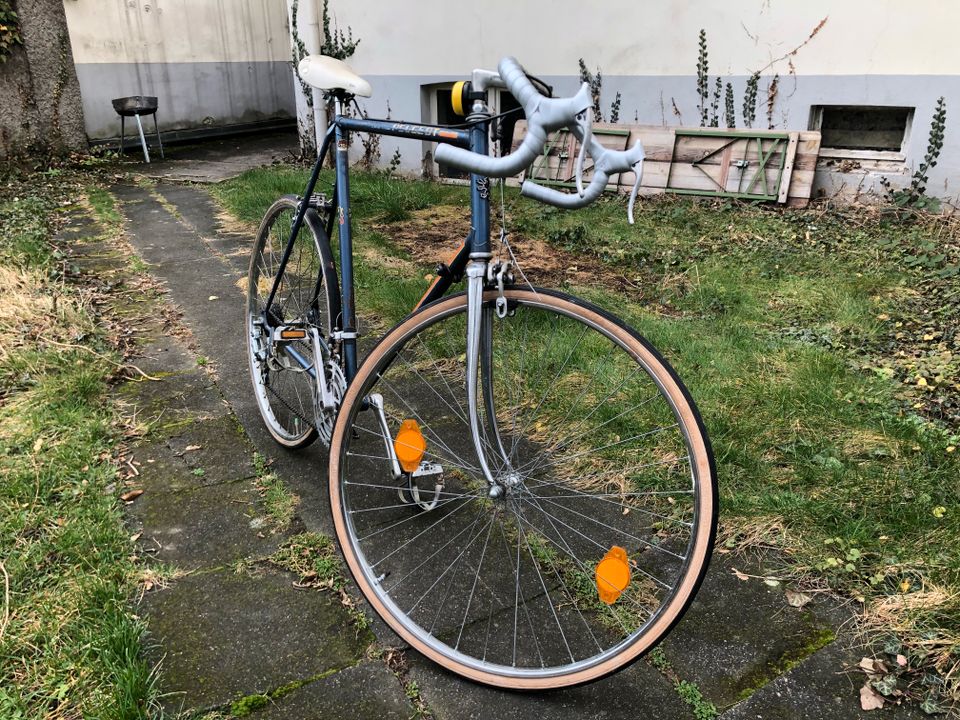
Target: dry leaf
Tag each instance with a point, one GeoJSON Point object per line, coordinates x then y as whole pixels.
{"type": "Point", "coordinates": [131, 495]}
{"type": "Point", "coordinates": [135, 536]}
{"type": "Point", "coordinates": [739, 575]}
{"type": "Point", "coordinates": [191, 448]}
{"type": "Point", "coordinates": [771, 582]}
{"type": "Point", "coordinates": [866, 664]}
{"type": "Point", "coordinates": [213, 297]}
{"type": "Point", "coordinates": [870, 699]}
{"type": "Point", "coordinates": [797, 599]}
{"type": "Point", "coordinates": [901, 660]}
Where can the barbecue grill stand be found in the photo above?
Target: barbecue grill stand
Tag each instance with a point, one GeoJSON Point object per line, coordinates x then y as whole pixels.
{"type": "Point", "coordinates": [135, 106]}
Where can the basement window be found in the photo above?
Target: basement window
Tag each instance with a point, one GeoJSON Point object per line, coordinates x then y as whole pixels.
{"type": "Point", "coordinates": [438, 110]}
{"type": "Point", "coordinates": [862, 132]}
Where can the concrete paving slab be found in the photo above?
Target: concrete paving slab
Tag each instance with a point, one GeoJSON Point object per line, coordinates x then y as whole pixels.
{"type": "Point", "coordinates": [640, 691]}
{"type": "Point", "coordinates": [367, 691]}
{"type": "Point", "coordinates": [173, 398]}
{"type": "Point", "coordinates": [220, 159]}
{"type": "Point", "coordinates": [166, 354]}
{"type": "Point", "coordinates": [205, 527]}
{"type": "Point", "coordinates": [221, 635]}
{"type": "Point", "coordinates": [741, 634]}
{"type": "Point", "coordinates": [219, 452]}
{"type": "Point", "coordinates": [217, 328]}
{"type": "Point", "coordinates": [818, 689]}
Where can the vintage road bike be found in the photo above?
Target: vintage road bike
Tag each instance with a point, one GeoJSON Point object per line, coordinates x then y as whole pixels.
{"type": "Point", "coordinates": [521, 486]}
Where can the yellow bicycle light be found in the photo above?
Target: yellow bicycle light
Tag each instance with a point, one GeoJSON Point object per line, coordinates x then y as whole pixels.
{"type": "Point", "coordinates": [457, 96]}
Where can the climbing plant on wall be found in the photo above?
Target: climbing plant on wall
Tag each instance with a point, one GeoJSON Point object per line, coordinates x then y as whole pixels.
{"type": "Point", "coordinates": [9, 29]}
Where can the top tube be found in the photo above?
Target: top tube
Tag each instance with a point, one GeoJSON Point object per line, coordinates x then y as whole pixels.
{"type": "Point", "coordinates": [415, 131]}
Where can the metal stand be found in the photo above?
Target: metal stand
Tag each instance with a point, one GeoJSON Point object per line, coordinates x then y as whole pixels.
{"type": "Point", "coordinates": [136, 106]}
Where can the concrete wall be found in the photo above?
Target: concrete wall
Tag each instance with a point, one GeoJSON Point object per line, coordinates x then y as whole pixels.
{"type": "Point", "coordinates": [868, 52]}
{"type": "Point", "coordinates": [212, 63]}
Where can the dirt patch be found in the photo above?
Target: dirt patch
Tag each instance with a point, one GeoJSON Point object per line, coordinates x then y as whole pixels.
{"type": "Point", "coordinates": [436, 233]}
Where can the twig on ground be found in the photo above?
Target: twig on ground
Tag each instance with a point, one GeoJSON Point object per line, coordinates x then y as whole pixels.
{"type": "Point", "coordinates": [6, 600]}
{"type": "Point", "coordinates": [122, 366]}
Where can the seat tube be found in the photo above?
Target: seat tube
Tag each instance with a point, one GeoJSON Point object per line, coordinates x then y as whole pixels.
{"type": "Point", "coordinates": [348, 320]}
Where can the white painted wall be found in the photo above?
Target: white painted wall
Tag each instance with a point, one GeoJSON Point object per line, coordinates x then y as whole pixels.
{"type": "Point", "coordinates": [633, 37]}
{"type": "Point", "coordinates": [177, 31]}
{"type": "Point", "coordinates": [211, 63]}
{"type": "Point", "coordinates": [867, 52]}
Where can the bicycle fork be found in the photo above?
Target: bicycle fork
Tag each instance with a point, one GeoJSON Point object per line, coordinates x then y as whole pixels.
{"type": "Point", "coordinates": [480, 373]}
{"type": "Point", "coordinates": [484, 431]}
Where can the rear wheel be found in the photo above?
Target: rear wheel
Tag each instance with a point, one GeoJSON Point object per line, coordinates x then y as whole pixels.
{"type": "Point", "coordinates": [307, 297]}
{"type": "Point", "coordinates": [603, 524]}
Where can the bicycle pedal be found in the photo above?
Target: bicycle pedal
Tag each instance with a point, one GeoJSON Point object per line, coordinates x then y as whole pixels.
{"type": "Point", "coordinates": [427, 469]}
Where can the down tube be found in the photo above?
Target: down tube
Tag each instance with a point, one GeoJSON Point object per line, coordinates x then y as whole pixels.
{"type": "Point", "coordinates": [348, 319]}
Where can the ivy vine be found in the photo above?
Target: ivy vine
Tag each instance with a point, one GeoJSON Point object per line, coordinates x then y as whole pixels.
{"type": "Point", "coordinates": [10, 35]}
{"type": "Point", "coordinates": [336, 43]}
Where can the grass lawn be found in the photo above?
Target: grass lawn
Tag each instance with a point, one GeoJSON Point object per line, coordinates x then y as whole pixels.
{"type": "Point", "coordinates": [822, 347]}
{"type": "Point", "coordinates": [69, 642]}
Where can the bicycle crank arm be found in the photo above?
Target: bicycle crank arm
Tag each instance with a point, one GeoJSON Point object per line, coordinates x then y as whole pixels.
{"type": "Point", "coordinates": [325, 396]}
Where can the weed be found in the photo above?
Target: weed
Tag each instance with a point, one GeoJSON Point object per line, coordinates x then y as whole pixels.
{"type": "Point", "coordinates": [915, 196]}
{"type": "Point", "coordinates": [280, 504]}
{"type": "Point", "coordinates": [750, 100]}
{"type": "Point", "coordinates": [703, 78]}
{"type": "Point", "coordinates": [691, 695]}
{"type": "Point", "coordinates": [314, 558]}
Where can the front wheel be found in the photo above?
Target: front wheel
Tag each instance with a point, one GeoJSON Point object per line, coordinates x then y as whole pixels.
{"type": "Point", "coordinates": [602, 523]}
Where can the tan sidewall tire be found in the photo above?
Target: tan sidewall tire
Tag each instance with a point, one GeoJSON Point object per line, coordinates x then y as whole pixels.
{"type": "Point", "coordinates": [322, 247]}
{"type": "Point", "coordinates": [700, 453]}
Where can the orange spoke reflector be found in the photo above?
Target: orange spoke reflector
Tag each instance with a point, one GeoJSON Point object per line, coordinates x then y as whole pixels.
{"type": "Point", "coordinates": [613, 574]}
{"type": "Point", "coordinates": [409, 445]}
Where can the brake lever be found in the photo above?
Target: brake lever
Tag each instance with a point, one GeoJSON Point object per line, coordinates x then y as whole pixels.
{"type": "Point", "coordinates": [585, 125]}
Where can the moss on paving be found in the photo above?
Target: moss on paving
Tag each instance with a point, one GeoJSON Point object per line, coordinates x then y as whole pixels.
{"type": "Point", "coordinates": [760, 677]}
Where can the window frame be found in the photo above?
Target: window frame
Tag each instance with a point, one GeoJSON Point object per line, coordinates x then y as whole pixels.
{"type": "Point", "coordinates": [430, 104]}
{"type": "Point", "coordinates": [894, 156]}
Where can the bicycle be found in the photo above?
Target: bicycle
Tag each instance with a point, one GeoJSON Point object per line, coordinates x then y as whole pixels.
{"type": "Point", "coordinates": [521, 485]}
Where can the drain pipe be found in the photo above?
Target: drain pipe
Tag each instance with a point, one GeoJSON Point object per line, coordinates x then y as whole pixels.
{"type": "Point", "coordinates": [313, 38]}
{"type": "Point", "coordinates": [303, 18]}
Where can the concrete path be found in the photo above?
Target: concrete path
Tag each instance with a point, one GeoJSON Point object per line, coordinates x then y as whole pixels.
{"type": "Point", "coordinates": [225, 637]}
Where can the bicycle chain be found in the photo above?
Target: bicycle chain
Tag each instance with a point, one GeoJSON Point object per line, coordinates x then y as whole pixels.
{"type": "Point", "coordinates": [287, 405]}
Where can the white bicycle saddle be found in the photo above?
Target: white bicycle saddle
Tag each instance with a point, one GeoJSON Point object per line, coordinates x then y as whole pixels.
{"type": "Point", "coordinates": [327, 73]}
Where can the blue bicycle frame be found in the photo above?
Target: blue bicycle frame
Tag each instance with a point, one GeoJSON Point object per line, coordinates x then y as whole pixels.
{"type": "Point", "coordinates": [476, 245]}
